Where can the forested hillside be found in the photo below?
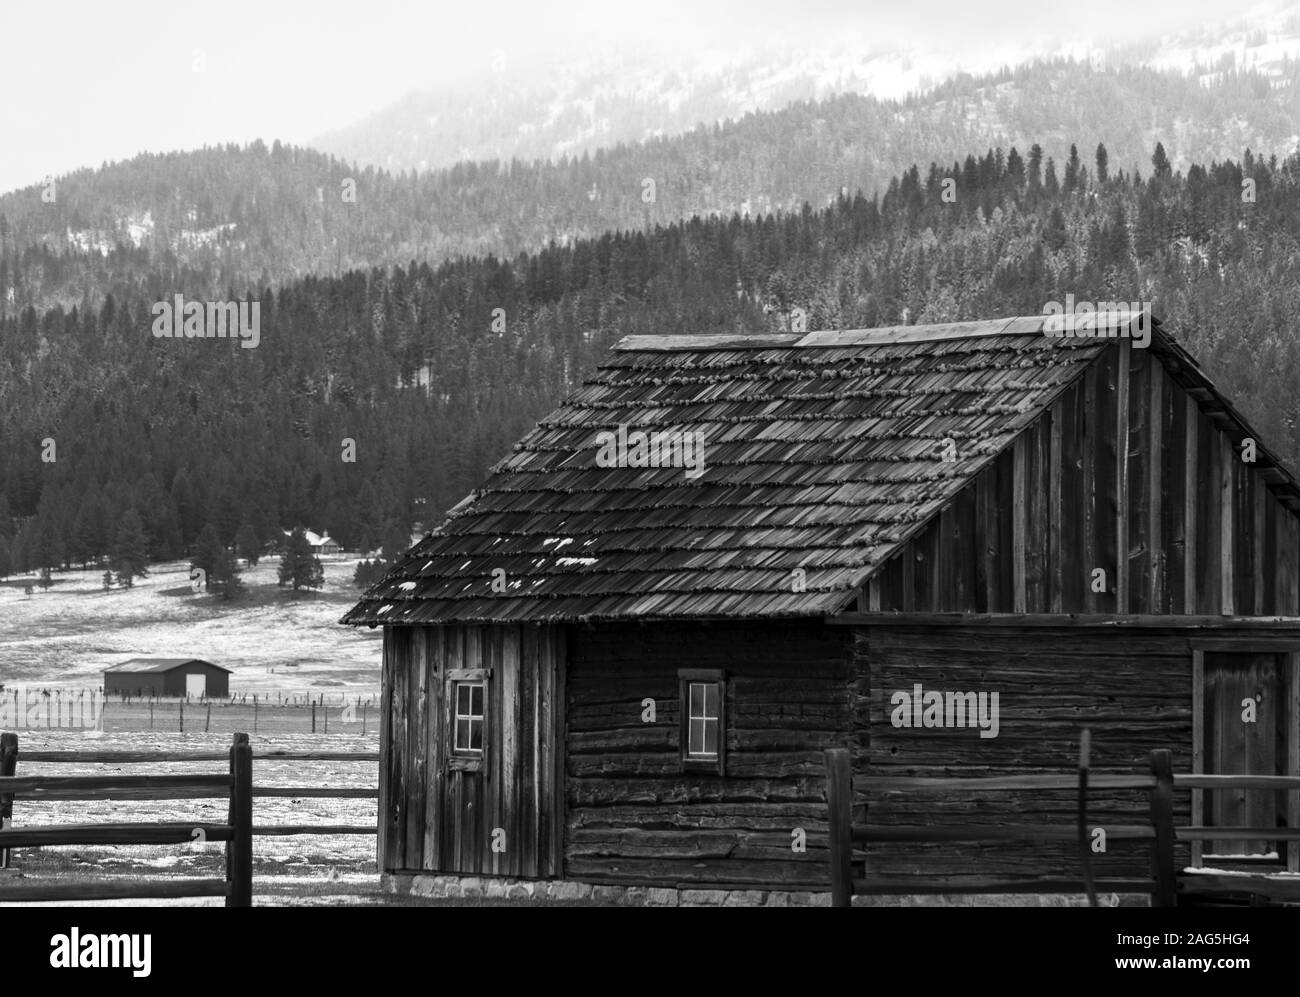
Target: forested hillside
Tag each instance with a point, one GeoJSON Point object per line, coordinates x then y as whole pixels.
{"type": "Point", "coordinates": [432, 383]}
{"type": "Point", "coordinates": [202, 222]}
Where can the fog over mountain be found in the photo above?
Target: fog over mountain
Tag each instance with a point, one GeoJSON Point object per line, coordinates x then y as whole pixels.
{"type": "Point", "coordinates": [547, 107]}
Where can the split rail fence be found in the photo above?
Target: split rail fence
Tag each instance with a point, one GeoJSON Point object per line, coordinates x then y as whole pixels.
{"type": "Point", "coordinates": [237, 832]}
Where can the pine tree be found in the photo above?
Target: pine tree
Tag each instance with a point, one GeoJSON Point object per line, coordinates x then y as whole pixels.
{"type": "Point", "coordinates": [397, 541]}
{"type": "Point", "coordinates": [130, 558]}
{"type": "Point", "coordinates": [1103, 168]}
{"type": "Point", "coordinates": [1035, 166]}
{"type": "Point", "coordinates": [247, 545]}
{"type": "Point", "coordinates": [367, 573]}
{"type": "Point", "coordinates": [208, 552]}
{"type": "Point", "coordinates": [1055, 235]}
{"type": "Point", "coordinates": [225, 578]}
{"type": "Point", "coordinates": [17, 554]}
{"type": "Point", "coordinates": [1015, 168]}
{"type": "Point", "coordinates": [79, 543]}
{"type": "Point", "coordinates": [42, 551]}
{"type": "Point", "coordinates": [1071, 183]}
{"type": "Point", "coordinates": [298, 565]}
{"type": "Point", "coordinates": [1160, 161]}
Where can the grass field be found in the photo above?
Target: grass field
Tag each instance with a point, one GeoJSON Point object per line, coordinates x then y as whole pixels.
{"type": "Point", "coordinates": [272, 640]}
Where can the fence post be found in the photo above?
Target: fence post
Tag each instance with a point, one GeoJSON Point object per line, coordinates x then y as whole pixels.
{"type": "Point", "coordinates": [8, 765]}
{"type": "Point", "coordinates": [839, 794]}
{"type": "Point", "coordinates": [1162, 820]}
{"type": "Point", "coordinates": [182, 716]}
{"type": "Point", "coordinates": [313, 717]}
{"type": "Point", "coordinates": [207, 723]}
{"type": "Point", "coordinates": [239, 849]}
{"type": "Point", "coordinates": [254, 713]}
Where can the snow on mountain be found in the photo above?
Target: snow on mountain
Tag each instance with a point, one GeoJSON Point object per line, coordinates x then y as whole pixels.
{"type": "Point", "coordinates": [577, 105]}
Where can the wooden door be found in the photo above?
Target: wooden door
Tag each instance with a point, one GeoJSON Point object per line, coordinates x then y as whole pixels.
{"type": "Point", "coordinates": [1245, 733]}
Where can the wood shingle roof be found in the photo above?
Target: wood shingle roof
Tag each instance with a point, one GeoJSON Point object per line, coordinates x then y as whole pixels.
{"type": "Point", "coordinates": [821, 452]}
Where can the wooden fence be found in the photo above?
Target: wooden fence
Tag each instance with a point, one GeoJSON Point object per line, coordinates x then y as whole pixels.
{"type": "Point", "coordinates": [237, 833]}
{"type": "Point", "coordinates": [1163, 884]}
{"type": "Point", "coordinates": [237, 887]}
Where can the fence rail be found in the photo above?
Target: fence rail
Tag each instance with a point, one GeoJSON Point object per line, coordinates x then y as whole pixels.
{"type": "Point", "coordinates": [237, 784]}
{"type": "Point", "coordinates": [237, 833]}
{"type": "Point", "coordinates": [1161, 831]}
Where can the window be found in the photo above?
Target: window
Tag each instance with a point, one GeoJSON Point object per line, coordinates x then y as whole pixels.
{"type": "Point", "coordinates": [467, 702]}
{"type": "Point", "coordinates": [702, 720]}
{"type": "Point", "coordinates": [703, 726]}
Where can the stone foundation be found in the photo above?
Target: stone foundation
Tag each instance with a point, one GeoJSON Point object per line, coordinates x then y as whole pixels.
{"type": "Point", "coordinates": [557, 890]}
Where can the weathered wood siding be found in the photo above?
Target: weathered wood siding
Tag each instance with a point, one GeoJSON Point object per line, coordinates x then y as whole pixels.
{"type": "Point", "coordinates": [635, 817]}
{"type": "Point", "coordinates": [435, 816]}
{"type": "Point", "coordinates": [1126, 473]}
{"type": "Point", "coordinates": [1132, 688]}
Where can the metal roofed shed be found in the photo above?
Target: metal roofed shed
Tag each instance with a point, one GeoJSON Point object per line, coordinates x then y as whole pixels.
{"type": "Point", "coordinates": [192, 677]}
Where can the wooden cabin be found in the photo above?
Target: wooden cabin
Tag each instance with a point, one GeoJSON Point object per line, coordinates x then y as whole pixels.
{"type": "Point", "coordinates": [606, 671]}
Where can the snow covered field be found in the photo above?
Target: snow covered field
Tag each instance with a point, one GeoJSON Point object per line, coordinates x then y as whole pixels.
{"type": "Point", "coordinates": [275, 643]}
{"type": "Point", "coordinates": [283, 866]}
{"type": "Point", "coordinates": [272, 640]}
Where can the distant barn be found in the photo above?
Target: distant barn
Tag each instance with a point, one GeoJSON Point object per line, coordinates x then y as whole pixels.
{"type": "Point", "coordinates": [167, 677]}
{"type": "Point", "coordinates": [321, 543]}
{"type": "Point", "coordinates": [619, 662]}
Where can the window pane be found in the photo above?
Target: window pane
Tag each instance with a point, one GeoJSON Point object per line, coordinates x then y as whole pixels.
{"type": "Point", "coordinates": [476, 703]}
{"type": "Point", "coordinates": [462, 700]}
{"type": "Point", "coordinates": [711, 700]}
{"type": "Point", "coordinates": [695, 743]}
{"type": "Point", "coordinates": [462, 734]}
{"type": "Point", "coordinates": [476, 734]}
{"type": "Point", "coordinates": [697, 699]}
{"type": "Point", "coordinates": [710, 737]}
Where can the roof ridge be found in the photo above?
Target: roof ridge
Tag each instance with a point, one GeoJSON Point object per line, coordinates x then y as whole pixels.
{"type": "Point", "coordinates": [1015, 325]}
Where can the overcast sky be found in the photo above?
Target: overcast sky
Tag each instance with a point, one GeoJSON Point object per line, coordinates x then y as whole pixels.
{"type": "Point", "coordinates": [86, 81]}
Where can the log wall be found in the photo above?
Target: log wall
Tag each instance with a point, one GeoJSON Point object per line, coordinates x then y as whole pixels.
{"type": "Point", "coordinates": [634, 816]}
{"type": "Point", "coordinates": [1132, 688]}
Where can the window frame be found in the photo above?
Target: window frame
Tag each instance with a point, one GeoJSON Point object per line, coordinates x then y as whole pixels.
{"type": "Point", "coordinates": [686, 677]}
{"type": "Point", "coordinates": [468, 759]}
